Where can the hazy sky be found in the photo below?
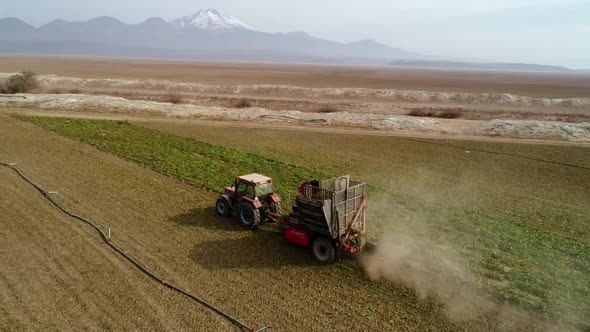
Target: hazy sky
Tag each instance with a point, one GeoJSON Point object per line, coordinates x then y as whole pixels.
{"type": "Point", "coordinates": [541, 31]}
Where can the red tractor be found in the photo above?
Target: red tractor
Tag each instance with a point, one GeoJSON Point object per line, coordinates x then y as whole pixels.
{"type": "Point", "coordinates": [252, 199]}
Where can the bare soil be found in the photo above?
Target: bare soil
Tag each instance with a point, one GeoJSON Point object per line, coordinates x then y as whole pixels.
{"type": "Point", "coordinates": [548, 130]}
{"type": "Point", "coordinates": [55, 273]}
{"type": "Point", "coordinates": [224, 126]}
{"type": "Point", "coordinates": [295, 87]}
{"type": "Point", "coordinates": [526, 84]}
{"type": "Point", "coordinates": [468, 112]}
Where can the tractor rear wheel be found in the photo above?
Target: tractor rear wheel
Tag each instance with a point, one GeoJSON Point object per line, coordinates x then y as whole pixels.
{"type": "Point", "coordinates": [249, 216]}
{"type": "Point", "coordinates": [276, 208]}
{"type": "Point", "coordinates": [323, 249]}
{"type": "Point", "coordinates": [222, 206]}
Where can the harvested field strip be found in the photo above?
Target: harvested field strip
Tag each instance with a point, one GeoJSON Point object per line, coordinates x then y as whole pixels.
{"type": "Point", "coordinates": [106, 238]}
{"type": "Point", "coordinates": [55, 275]}
{"type": "Point", "coordinates": [518, 263]}
{"type": "Point", "coordinates": [200, 164]}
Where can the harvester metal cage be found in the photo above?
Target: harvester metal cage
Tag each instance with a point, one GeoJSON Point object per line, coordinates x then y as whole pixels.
{"type": "Point", "coordinates": [335, 207]}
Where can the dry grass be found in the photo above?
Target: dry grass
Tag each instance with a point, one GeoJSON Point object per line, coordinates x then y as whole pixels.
{"type": "Point", "coordinates": [54, 91]}
{"type": "Point", "coordinates": [24, 82]}
{"type": "Point", "coordinates": [429, 113]}
{"type": "Point", "coordinates": [328, 109]}
{"type": "Point", "coordinates": [174, 98]}
{"type": "Point", "coordinates": [58, 91]}
{"type": "Point", "coordinates": [418, 112]}
{"type": "Point", "coordinates": [450, 114]}
{"type": "Point", "coordinates": [243, 103]}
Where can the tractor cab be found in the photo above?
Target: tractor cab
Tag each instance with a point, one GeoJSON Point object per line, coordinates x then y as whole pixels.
{"type": "Point", "coordinates": [254, 186]}
{"type": "Point", "coordinates": [251, 186]}
{"type": "Point", "coordinates": [252, 198]}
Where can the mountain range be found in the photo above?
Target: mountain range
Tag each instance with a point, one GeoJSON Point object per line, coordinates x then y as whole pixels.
{"type": "Point", "coordinates": [209, 35]}
{"type": "Point", "coordinates": [204, 35]}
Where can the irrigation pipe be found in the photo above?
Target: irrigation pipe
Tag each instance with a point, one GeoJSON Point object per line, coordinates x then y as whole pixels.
{"type": "Point", "coordinates": [498, 153]}
{"type": "Point", "coordinates": [106, 238]}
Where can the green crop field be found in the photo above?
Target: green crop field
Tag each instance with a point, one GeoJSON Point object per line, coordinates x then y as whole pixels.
{"type": "Point", "coordinates": [522, 224]}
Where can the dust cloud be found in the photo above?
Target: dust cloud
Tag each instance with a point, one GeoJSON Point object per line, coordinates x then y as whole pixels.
{"type": "Point", "coordinates": [413, 248]}
{"type": "Point", "coordinates": [409, 258]}
{"type": "Point", "coordinates": [412, 251]}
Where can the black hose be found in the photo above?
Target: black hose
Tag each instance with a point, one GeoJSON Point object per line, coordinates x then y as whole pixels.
{"type": "Point", "coordinates": [128, 257]}
{"type": "Point", "coordinates": [443, 144]}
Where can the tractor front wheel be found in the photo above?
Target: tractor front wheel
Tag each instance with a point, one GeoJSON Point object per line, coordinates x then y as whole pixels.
{"type": "Point", "coordinates": [222, 206]}
{"type": "Point", "coordinates": [323, 250]}
{"type": "Point", "coordinates": [249, 216]}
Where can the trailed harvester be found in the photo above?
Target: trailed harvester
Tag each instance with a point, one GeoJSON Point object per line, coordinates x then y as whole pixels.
{"type": "Point", "coordinates": [329, 217]}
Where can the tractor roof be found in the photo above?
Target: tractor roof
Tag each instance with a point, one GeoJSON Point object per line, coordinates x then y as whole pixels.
{"type": "Point", "coordinates": [255, 178]}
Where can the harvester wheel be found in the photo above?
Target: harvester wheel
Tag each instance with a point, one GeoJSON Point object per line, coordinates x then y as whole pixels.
{"type": "Point", "coordinates": [222, 206]}
{"type": "Point", "coordinates": [249, 216]}
{"type": "Point", "coordinates": [323, 250]}
{"type": "Point", "coordinates": [362, 242]}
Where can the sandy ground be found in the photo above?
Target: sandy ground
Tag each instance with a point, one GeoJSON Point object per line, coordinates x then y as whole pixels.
{"type": "Point", "coordinates": [526, 84]}
{"type": "Point", "coordinates": [228, 125]}
{"type": "Point", "coordinates": [138, 88]}
{"type": "Point", "coordinates": [526, 129]}
{"type": "Point", "coordinates": [310, 99]}
{"type": "Point", "coordinates": [308, 88]}
{"type": "Point", "coordinates": [488, 111]}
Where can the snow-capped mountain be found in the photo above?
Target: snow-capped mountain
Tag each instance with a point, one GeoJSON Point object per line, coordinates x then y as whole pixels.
{"type": "Point", "coordinates": [205, 35]}
{"type": "Point", "coordinates": [210, 19]}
